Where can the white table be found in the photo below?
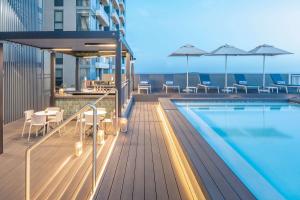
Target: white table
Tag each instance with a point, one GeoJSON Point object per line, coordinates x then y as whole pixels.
{"type": "Point", "coordinates": [46, 113]}
{"type": "Point", "coordinates": [272, 89]}
{"type": "Point", "coordinates": [192, 89]}
{"type": "Point", "coordinates": [230, 89]}
{"type": "Point", "coordinates": [99, 112]}
{"type": "Point", "coordinates": [165, 86]}
{"type": "Point", "coordinates": [146, 87]}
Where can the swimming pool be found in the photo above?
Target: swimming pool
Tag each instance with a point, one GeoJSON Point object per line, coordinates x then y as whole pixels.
{"type": "Point", "coordinates": [259, 141]}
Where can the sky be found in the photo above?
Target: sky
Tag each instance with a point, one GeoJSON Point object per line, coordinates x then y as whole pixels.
{"type": "Point", "coordinates": [156, 28]}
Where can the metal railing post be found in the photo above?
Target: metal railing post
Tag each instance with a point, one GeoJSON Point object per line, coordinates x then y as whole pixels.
{"type": "Point", "coordinates": [117, 111]}
{"type": "Point", "coordinates": [94, 144]}
{"type": "Point", "coordinates": [55, 130]}
{"type": "Point", "coordinates": [27, 175]}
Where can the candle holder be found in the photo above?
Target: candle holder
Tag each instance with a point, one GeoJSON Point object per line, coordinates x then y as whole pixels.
{"type": "Point", "coordinates": [100, 137]}
{"type": "Point", "coordinates": [78, 149]}
{"type": "Point", "coordinates": [61, 92]}
{"type": "Point", "coordinates": [123, 125]}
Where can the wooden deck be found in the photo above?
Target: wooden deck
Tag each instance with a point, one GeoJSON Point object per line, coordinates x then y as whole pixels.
{"type": "Point", "coordinates": [56, 173]}
{"type": "Point", "coordinates": [141, 166]}
{"type": "Point", "coordinates": [216, 179]}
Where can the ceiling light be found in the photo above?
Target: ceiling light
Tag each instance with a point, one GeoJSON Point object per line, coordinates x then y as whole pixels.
{"type": "Point", "coordinates": [62, 49]}
{"type": "Point", "coordinates": [99, 45]}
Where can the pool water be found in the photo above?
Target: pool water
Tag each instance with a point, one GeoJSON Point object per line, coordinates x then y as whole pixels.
{"type": "Point", "coordinates": [259, 141]}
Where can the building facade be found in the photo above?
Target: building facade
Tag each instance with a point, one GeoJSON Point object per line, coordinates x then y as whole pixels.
{"type": "Point", "coordinates": [26, 79]}
{"type": "Point", "coordinates": [83, 15]}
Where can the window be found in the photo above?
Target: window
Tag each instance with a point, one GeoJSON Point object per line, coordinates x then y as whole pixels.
{"type": "Point", "coordinates": [84, 3]}
{"type": "Point", "coordinates": [58, 20]}
{"type": "Point", "coordinates": [59, 59]}
{"type": "Point", "coordinates": [59, 77]}
{"type": "Point", "coordinates": [58, 2]}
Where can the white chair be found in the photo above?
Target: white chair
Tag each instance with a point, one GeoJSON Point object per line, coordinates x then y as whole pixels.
{"type": "Point", "coordinates": [79, 121]}
{"type": "Point", "coordinates": [28, 114]}
{"type": "Point", "coordinates": [58, 119]}
{"type": "Point", "coordinates": [107, 121]}
{"type": "Point", "coordinates": [89, 121]}
{"type": "Point", "coordinates": [37, 121]}
{"type": "Point", "coordinates": [53, 109]}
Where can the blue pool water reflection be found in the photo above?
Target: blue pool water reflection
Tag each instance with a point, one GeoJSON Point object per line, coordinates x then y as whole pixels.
{"type": "Point", "coordinates": [259, 141]}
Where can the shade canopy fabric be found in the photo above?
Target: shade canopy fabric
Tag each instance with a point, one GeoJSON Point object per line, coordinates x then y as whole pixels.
{"type": "Point", "coordinates": [227, 50]}
{"type": "Point", "coordinates": [268, 50]}
{"type": "Point", "coordinates": [188, 50]}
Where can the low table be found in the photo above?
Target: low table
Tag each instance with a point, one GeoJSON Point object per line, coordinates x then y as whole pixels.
{"type": "Point", "coordinates": [272, 89]}
{"type": "Point", "coordinates": [192, 89]}
{"type": "Point", "coordinates": [230, 89]}
{"type": "Point", "coordinates": [146, 87]}
{"type": "Point", "coordinates": [171, 86]}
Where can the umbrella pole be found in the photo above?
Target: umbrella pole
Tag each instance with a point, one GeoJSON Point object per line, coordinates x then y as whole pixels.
{"type": "Point", "coordinates": [226, 72]}
{"type": "Point", "coordinates": [264, 74]}
{"type": "Point", "coordinates": [187, 73]}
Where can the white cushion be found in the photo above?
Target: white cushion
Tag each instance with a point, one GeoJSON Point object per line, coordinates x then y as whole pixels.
{"type": "Point", "coordinates": [169, 82]}
{"type": "Point", "coordinates": [144, 82]}
{"type": "Point", "coordinates": [243, 82]}
{"type": "Point", "coordinates": [281, 82]}
{"type": "Point", "coordinates": [206, 82]}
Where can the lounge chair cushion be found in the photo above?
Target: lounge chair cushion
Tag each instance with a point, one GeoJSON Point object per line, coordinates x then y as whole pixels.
{"type": "Point", "coordinates": [206, 82]}
{"type": "Point", "coordinates": [144, 82]}
{"type": "Point", "coordinates": [169, 82]}
{"type": "Point", "coordinates": [281, 82]}
{"type": "Point", "coordinates": [243, 82]}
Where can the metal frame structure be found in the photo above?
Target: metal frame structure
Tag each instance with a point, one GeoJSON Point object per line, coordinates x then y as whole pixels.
{"type": "Point", "coordinates": [56, 130]}
{"type": "Point", "coordinates": [75, 43]}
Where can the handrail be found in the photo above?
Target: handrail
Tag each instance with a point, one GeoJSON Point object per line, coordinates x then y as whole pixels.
{"type": "Point", "coordinates": [55, 130]}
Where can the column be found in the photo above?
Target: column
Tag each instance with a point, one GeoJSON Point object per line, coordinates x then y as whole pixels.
{"type": "Point", "coordinates": [1, 97]}
{"type": "Point", "coordinates": [52, 78]}
{"type": "Point", "coordinates": [77, 76]}
{"type": "Point", "coordinates": [128, 73]}
{"type": "Point", "coordinates": [118, 75]}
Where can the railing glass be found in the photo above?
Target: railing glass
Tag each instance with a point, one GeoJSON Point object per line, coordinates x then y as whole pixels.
{"type": "Point", "coordinates": [67, 162]}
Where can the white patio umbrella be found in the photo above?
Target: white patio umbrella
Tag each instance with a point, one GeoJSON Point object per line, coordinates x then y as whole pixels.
{"type": "Point", "coordinates": [188, 51]}
{"type": "Point", "coordinates": [227, 50]}
{"type": "Point", "coordinates": [267, 50]}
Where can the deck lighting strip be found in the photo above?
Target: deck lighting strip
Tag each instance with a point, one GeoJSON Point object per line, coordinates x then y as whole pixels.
{"type": "Point", "coordinates": [179, 160]}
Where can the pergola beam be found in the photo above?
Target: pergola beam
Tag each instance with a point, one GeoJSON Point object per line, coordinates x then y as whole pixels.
{"type": "Point", "coordinates": [1, 97]}
{"type": "Point", "coordinates": [118, 75]}
{"type": "Point", "coordinates": [53, 78]}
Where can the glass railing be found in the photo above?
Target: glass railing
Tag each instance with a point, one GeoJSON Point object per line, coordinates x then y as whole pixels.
{"type": "Point", "coordinates": [68, 162]}
{"type": "Point", "coordinates": [102, 13]}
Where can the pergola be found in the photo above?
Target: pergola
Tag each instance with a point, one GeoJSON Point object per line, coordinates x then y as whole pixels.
{"type": "Point", "coordinates": [77, 44]}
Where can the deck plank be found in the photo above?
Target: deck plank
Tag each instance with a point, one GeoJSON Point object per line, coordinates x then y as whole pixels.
{"type": "Point", "coordinates": [144, 169]}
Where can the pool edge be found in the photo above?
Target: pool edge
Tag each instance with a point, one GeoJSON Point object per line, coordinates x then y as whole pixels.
{"type": "Point", "coordinates": [215, 178]}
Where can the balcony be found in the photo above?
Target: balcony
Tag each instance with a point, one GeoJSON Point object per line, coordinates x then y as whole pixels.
{"type": "Point", "coordinates": [122, 30]}
{"type": "Point", "coordinates": [115, 17]}
{"type": "Point", "coordinates": [102, 16]}
{"type": "Point", "coordinates": [116, 4]}
{"type": "Point", "coordinates": [122, 18]}
{"type": "Point", "coordinates": [122, 5]}
{"type": "Point", "coordinates": [101, 65]}
{"type": "Point", "coordinates": [105, 2]}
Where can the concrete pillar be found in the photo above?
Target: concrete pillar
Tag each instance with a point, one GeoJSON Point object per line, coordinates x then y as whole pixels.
{"type": "Point", "coordinates": [77, 76]}
{"type": "Point", "coordinates": [52, 78]}
{"type": "Point", "coordinates": [118, 75]}
{"type": "Point", "coordinates": [1, 97]}
{"type": "Point", "coordinates": [128, 73]}
{"type": "Point", "coordinates": [132, 75]}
